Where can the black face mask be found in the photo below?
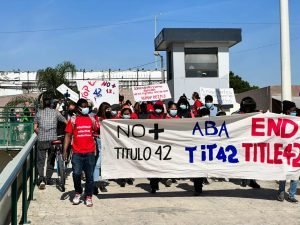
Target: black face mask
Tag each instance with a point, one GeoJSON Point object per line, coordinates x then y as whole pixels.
{"type": "Point", "coordinates": [108, 114]}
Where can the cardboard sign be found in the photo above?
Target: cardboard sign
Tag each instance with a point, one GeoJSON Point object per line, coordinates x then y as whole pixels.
{"type": "Point", "coordinates": [151, 92]}
{"type": "Point", "coordinates": [68, 93]}
{"type": "Point", "coordinates": [99, 91]}
{"type": "Point", "coordinates": [221, 96]}
{"type": "Point", "coordinates": [247, 146]}
{"type": "Point", "coordinates": [209, 91]}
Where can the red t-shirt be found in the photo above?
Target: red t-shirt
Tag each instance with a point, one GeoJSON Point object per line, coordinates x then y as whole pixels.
{"type": "Point", "coordinates": [170, 117]}
{"type": "Point", "coordinates": [82, 130]}
{"type": "Point", "coordinates": [197, 105]}
{"type": "Point", "coordinates": [134, 116]}
{"type": "Point", "coordinates": [156, 116]}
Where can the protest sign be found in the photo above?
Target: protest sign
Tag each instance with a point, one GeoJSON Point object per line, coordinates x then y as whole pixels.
{"type": "Point", "coordinates": [68, 93]}
{"type": "Point", "coordinates": [221, 96]}
{"type": "Point", "coordinates": [209, 91]}
{"type": "Point", "coordinates": [99, 91]}
{"type": "Point", "coordinates": [248, 146]}
{"type": "Point", "coordinates": [151, 92]}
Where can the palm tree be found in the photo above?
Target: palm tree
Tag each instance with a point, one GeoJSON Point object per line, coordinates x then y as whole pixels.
{"type": "Point", "coordinates": [50, 78]}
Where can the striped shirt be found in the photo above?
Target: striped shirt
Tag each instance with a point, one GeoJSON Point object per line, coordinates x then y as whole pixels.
{"type": "Point", "coordinates": [47, 124]}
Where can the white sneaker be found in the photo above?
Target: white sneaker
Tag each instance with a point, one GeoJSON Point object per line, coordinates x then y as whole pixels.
{"type": "Point", "coordinates": [42, 185]}
{"type": "Point", "coordinates": [76, 199]}
{"type": "Point", "coordinates": [88, 201]}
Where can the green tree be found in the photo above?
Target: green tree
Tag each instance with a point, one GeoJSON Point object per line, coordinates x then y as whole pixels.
{"type": "Point", "coordinates": [50, 78]}
{"type": "Point", "coordinates": [238, 84]}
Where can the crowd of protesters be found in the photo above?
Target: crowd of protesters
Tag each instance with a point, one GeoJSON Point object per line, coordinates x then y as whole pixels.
{"type": "Point", "coordinates": [81, 124]}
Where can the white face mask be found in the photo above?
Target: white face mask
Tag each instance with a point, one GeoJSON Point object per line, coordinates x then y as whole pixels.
{"type": "Point", "coordinates": [173, 112]}
{"type": "Point", "coordinates": [125, 116]}
{"type": "Point", "coordinates": [293, 113]}
{"type": "Point", "coordinates": [158, 111]}
{"type": "Point", "coordinates": [209, 105]}
{"type": "Point", "coordinates": [84, 111]}
{"type": "Point", "coordinates": [183, 107]}
{"type": "Point", "coordinates": [114, 113]}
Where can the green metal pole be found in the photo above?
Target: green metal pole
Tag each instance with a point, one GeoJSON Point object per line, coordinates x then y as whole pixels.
{"type": "Point", "coordinates": [35, 164]}
{"type": "Point", "coordinates": [24, 193]}
{"type": "Point", "coordinates": [31, 187]}
{"type": "Point", "coordinates": [14, 202]}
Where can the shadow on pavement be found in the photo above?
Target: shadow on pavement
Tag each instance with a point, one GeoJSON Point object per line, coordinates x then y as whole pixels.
{"type": "Point", "coordinates": [263, 194]}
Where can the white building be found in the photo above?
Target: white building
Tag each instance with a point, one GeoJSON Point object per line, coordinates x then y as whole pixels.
{"type": "Point", "coordinates": [196, 57]}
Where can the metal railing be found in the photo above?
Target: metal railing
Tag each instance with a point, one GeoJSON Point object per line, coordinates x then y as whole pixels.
{"type": "Point", "coordinates": [15, 135]}
{"type": "Point", "coordinates": [14, 181]}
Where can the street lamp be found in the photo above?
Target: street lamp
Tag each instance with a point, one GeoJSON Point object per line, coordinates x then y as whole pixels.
{"type": "Point", "coordinates": [161, 66]}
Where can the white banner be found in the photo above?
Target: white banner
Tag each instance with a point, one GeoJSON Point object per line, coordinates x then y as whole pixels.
{"type": "Point", "coordinates": [151, 92]}
{"type": "Point", "coordinates": [249, 146]}
{"type": "Point", "coordinates": [99, 91]}
{"type": "Point", "coordinates": [68, 92]}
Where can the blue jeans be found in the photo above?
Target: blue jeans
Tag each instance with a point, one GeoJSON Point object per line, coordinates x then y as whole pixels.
{"type": "Point", "coordinates": [86, 163]}
{"type": "Point", "coordinates": [293, 187]}
{"type": "Point", "coordinates": [97, 175]}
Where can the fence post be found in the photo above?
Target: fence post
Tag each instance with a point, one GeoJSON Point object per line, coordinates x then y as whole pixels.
{"type": "Point", "coordinates": [14, 202]}
{"type": "Point", "coordinates": [24, 193]}
{"type": "Point", "coordinates": [35, 164]}
{"type": "Point", "coordinates": [31, 187]}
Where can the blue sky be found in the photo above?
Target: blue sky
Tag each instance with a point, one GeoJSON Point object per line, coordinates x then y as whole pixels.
{"type": "Point", "coordinates": [114, 34]}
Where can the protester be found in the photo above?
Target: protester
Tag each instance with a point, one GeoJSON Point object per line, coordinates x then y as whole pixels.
{"type": "Point", "coordinates": [80, 130]}
{"type": "Point", "coordinates": [104, 112]}
{"type": "Point", "coordinates": [210, 105]}
{"type": "Point", "coordinates": [45, 126]}
{"type": "Point", "coordinates": [158, 112]}
{"type": "Point", "coordinates": [150, 108]}
{"type": "Point", "coordinates": [172, 111]}
{"type": "Point", "coordinates": [184, 108]}
{"type": "Point", "coordinates": [121, 100]}
{"type": "Point", "coordinates": [115, 111]}
{"type": "Point", "coordinates": [13, 116]}
{"type": "Point", "coordinates": [197, 103]}
{"type": "Point", "coordinates": [143, 114]}
{"type": "Point", "coordinates": [288, 108]}
{"type": "Point", "coordinates": [126, 113]}
{"type": "Point", "coordinates": [248, 105]}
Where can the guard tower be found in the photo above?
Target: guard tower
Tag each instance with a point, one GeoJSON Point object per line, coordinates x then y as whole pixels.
{"type": "Point", "coordinates": [196, 57]}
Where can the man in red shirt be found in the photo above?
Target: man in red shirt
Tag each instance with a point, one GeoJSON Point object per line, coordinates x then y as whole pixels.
{"type": "Point", "coordinates": [80, 130]}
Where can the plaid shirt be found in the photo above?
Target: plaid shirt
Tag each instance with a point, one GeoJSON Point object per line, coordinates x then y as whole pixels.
{"type": "Point", "coordinates": [47, 124]}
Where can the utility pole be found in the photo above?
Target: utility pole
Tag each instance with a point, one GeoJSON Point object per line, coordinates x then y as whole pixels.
{"type": "Point", "coordinates": [286, 88]}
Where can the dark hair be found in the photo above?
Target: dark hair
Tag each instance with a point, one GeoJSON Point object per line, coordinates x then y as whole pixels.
{"type": "Point", "coordinates": [81, 101]}
{"type": "Point", "coordinates": [124, 109]}
{"type": "Point", "coordinates": [170, 103]}
{"type": "Point", "coordinates": [47, 102]}
{"type": "Point", "coordinates": [196, 95]}
{"type": "Point", "coordinates": [203, 112]}
{"type": "Point", "coordinates": [287, 105]}
{"type": "Point", "coordinates": [128, 102]}
{"type": "Point", "coordinates": [115, 107]}
{"type": "Point", "coordinates": [121, 98]}
{"type": "Point", "coordinates": [102, 109]}
{"type": "Point", "coordinates": [248, 105]}
{"type": "Point", "coordinates": [184, 113]}
{"type": "Point", "coordinates": [143, 108]}
{"type": "Point", "coordinates": [221, 113]}
{"type": "Point", "coordinates": [208, 98]}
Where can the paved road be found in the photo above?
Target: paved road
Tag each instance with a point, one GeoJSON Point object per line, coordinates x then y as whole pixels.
{"type": "Point", "coordinates": [220, 203]}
